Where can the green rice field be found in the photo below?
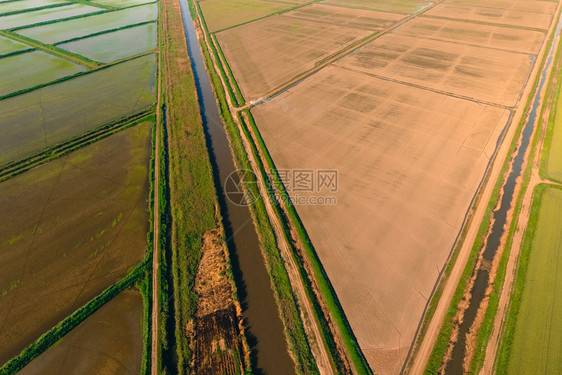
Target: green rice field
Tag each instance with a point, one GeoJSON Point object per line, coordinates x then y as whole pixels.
{"type": "Point", "coordinates": [27, 70]}
{"type": "Point", "coordinates": [116, 45]}
{"type": "Point", "coordinates": [78, 28]}
{"type": "Point", "coordinates": [50, 115]}
{"type": "Point", "coordinates": [23, 5]}
{"type": "Point", "coordinates": [69, 229]}
{"type": "Point", "coordinates": [538, 323]}
{"type": "Point", "coordinates": [123, 3]}
{"type": "Point", "coordinates": [8, 46]}
{"type": "Point", "coordinates": [45, 15]}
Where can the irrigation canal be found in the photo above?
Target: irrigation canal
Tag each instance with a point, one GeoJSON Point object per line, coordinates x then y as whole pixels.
{"type": "Point", "coordinates": [499, 217]}
{"type": "Point", "coordinates": [264, 329]}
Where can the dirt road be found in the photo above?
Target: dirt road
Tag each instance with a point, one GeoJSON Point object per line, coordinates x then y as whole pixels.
{"type": "Point", "coordinates": [156, 219]}
{"type": "Point", "coordinates": [423, 353]}
{"type": "Point", "coordinates": [310, 324]}
{"type": "Point", "coordinates": [526, 203]}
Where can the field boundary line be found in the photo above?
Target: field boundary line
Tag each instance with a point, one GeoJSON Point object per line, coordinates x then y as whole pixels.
{"type": "Point", "coordinates": [425, 88]}
{"type": "Point", "coordinates": [280, 12]}
{"type": "Point", "coordinates": [507, 26]}
{"type": "Point", "coordinates": [104, 32]}
{"type": "Point", "coordinates": [79, 74]}
{"type": "Point", "coordinates": [156, 213]}
{"type": "Point", "coordinates": [56, 151]}
{"type": "Point", "coordinates": [42, 23]}
{"type": "Point", "coordinates": [54, 334]}
{"type": "Point", "coordinates": [20, 11]}
{"type": "Point", "coordinates": [328, 60]}
{"type": "Point", "coordinates": [58, 52]}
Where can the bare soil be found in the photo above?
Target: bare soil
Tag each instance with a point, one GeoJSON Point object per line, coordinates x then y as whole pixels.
{"type": "Point", "coordinates": [504, 16]}
{"type": "Point", "coordinates": [266, 53]}
{"type": "Point", "coordinates": [403, 155]}
{"type": "Point", "coordinates": [477, 73]}
{"type": "Point", "coordinates": [216, 331]}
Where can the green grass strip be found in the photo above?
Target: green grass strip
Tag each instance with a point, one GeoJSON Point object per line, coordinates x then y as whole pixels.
{"type": "Point", "coordinates": [290, 315]}
{"type": "Point", "coordinates": [444, 335]}
{"type": "Point", "coordinates": [320, 275]}
{"type": "Point", "coordinates": [226, 65]}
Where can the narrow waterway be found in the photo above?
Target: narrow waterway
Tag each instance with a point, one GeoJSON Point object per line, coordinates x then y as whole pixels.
{"type": "Point", "coordinates": [478, 291]}
{"type": "Point", "coordinates": [264, 329]}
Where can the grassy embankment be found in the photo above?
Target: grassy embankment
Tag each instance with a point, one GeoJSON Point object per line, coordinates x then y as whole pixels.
{"type": "Point", "coordinates": [187, 201]}
{"type": "Point", "coordinates": [290, 314]}
{"type": "Point", "coordinates": [322, 280]}
{"type": "Point", "coordinates": [534, 310]}
{"type": "Point", "coordinates": [538, 239]}
{"type": "Point", "coordinates": [443, 338]}
{"type": "Point", "coordinates": [291, 218]}
{"type": "Point", "coordinates": [14, 168]}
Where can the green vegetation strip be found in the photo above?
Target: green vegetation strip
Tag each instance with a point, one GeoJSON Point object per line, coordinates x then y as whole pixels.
{"type": "Point", "coordinates": [534, 308]}
{"type": "Point", "coordinates": [237, 99]}
{"type": "Point", "coordinates": [49, 48]}
{"type": "Point", "coordinates": [13, 169]}
{"type": "Point", "coordinates": [223, 64]}
{"type": "Point", "coordinates": [320, 275]}
{"type": "Point", "coordinates": [53, 21]}
{"type": "Point", "coordinates": [443, 338]}
{"type": "Point", "coordinates": [31, 9]}
{"type": "Point", "coordinates": [283, 292]}
{"type": "Point", "coordinates": [101, 32]}
{"type": "Point", "coordinates": [327, 338]}
{"type": "Point", "coordinates": [187, 200]}
{"type": "Point", "coordinates": [77, 317]}
{"type": "Point", "coordinates": [489, 318]}
{"type": "Point", "coordinates": [551, 157]}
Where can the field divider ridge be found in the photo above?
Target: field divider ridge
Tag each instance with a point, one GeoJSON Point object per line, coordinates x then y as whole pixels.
{"type": "Point", "coordinates": [51, 49]}
{"type": "Point", "coordinates": [54, 152]}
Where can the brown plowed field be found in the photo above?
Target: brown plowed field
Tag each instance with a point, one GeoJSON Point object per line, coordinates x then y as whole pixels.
{"type": "Point", "coordinates": [537, 6]}
{"type": "Point", "coordinates": [409, 161]}
{"type": "Point", "coordinates": [108, 342]}
{"type": "Point", "coordinates": [350, 17]}
{"type": "Point", "coordinates": [474, 72]}
{"type": "Point", "coordinates": [394, 6]}
{"type": "Point", "coordinates": [266, 53]}
{"type": "Point", "coordinates": [492, 15]}
{"type": "Point", "coordinates": [69, 229]}
{"type": "Point", "coordinates": [510, 39]}
{"type": "Point", "coordinates": [221, 14]}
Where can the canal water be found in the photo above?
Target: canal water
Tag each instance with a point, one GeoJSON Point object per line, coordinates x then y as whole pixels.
{"type": "Point", "coordinates": [264, 329]}
{"type": "Point", "coordinates": [478, 291]}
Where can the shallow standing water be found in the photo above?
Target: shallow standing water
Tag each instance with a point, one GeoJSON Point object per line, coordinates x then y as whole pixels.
{"type": "Point", "coordinates": [455, 364]}
{"type": "Point", "coordinates": [264, 329]}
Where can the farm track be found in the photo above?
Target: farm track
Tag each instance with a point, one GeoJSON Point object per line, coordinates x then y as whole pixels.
{"type": "Point", "coordinates": [335, 56]}
{"type": "Point", "coordinates": [312, 329]}
{"type": "Point", "coordinates": [517, 241]}
{"type": "Point", "coordinates": [54, 152]}
{"type": "Point", "coordinates": [156, 217]}
{"type": "Point", "coordinates": [423, 351]}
